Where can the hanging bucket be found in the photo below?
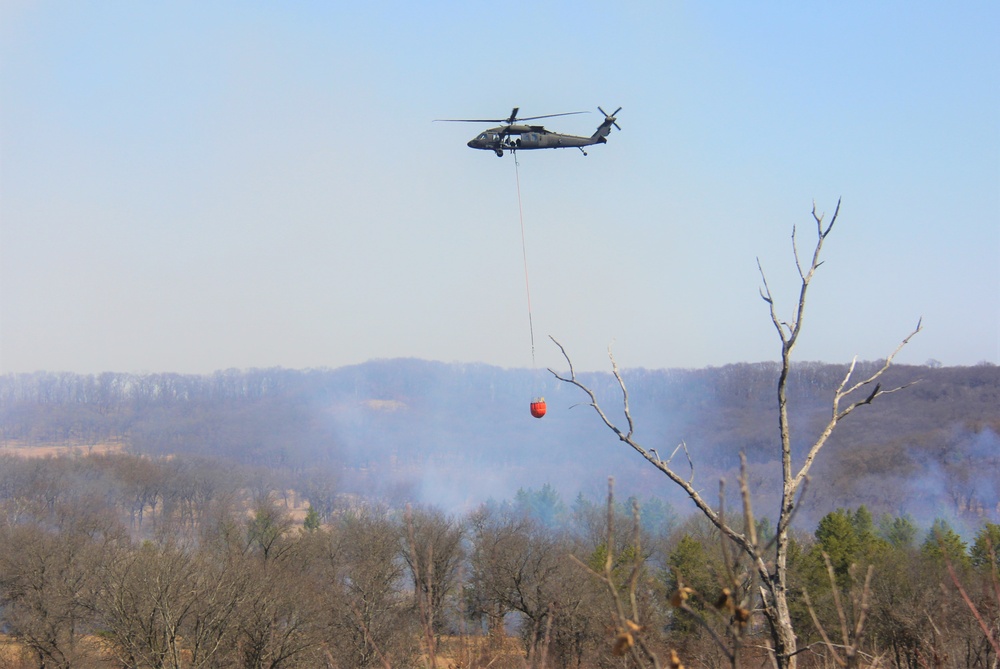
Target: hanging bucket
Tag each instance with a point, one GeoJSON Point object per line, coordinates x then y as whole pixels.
{"type": "Point", "coordinates": [538, 407]}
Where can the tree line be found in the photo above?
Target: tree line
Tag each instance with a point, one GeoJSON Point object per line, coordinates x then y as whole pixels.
{"type": "Point", "coordinates": [379, 427]}
{"type": "Point", "coordinates": [129, 561]}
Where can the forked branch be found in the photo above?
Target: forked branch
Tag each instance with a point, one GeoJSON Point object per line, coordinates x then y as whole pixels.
{"type": "Point", "coordinates": [624, 436]}
{"type": "Point", "coordinates": [845, 389]}
{"type": "Point", "coordinates": [650, 454]}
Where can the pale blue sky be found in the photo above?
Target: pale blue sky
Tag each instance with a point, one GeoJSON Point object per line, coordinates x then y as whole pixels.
{"type": "Point", "coordinates": [197, 186]}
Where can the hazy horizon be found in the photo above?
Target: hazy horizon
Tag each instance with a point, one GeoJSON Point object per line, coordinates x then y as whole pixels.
{"type": "Point", "coordinates": [558, 367]}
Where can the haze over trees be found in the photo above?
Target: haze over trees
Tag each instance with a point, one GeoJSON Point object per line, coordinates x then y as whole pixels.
{"type": "Point", "coordinates": [364, 517]}
{"type": "Point", "coordinates": [260, 501]}
{"type": "Point", "coordinates": [84, 583]}
{"type": "Point", "coordinates": [219, 503]}
{"type": "Point", "coordinates": [410, 431]}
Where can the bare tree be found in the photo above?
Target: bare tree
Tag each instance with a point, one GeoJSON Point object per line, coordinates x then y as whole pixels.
{"type": "Point", "coordinates": [519, 566]}
{"type": "Point", "coordinates": [851, 394]}
{"type": "Point", "coordinates": [280, 615]}
{"type": "Point", "coordinates": [167, 608]}
{"type": "Point", "coordinates": [432, 547]}
{"type": "Point", "coordinates": [370, 619]}
{"type": "Point", "coordinates": [46, 591]}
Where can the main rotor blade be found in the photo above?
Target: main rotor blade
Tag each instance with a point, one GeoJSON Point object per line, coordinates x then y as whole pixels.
{"type": "Point", "coordinates": [532, 118]}
{"type": "Point", "coordinates": [509, 120]}
{"type": "Point", "coordinates": [472, 120]}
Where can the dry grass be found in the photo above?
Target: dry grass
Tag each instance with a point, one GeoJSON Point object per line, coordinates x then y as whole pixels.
{"type": "Point", "coordinates": [94, 654]}
{"type": "Point", "coordinates": [10, 654]}
{"type": "Point", "coordinates": [20, 449]}
{"type": "Point", "coordinates": [455, 652]}
{"type": "Point", "coordinates": [472, 652]}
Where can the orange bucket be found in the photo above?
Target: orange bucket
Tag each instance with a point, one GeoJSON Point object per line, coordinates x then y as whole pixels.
{"type": "Point", "coordinates": [538, 407]}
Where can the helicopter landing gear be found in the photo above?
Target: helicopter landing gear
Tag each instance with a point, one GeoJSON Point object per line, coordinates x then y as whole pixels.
{"type": "Point", "coordinates": [499, 153]}
{"type": "Point", "coordinates": [581, 150]}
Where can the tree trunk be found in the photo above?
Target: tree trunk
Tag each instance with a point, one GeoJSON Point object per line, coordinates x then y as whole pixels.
{"type": "Point", "coordinates": [495, 626]}
{"type": "Point", "coordinates": [782, 633]}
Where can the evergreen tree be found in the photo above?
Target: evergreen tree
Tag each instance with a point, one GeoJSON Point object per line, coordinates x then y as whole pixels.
{"type": "Point", "coordinates": [545, 505]}
{"type": "Point", "coordinates": [986, 547]}
{"type": "Point", "coordinates": [900, 531]}
{"type": "Point", "coordinates": [656, 516]}
{"type": "Point", "coordinates": [871, 547]}
{"type": "Point", "coordinates": [837, 536]}
{"type": "Point", "coordinates": [765, 531]}
{"type": "Point", "coordinates": [311, 522]}
{"type": "Point", "coordinates": [944, 544]}
{"type": "Point", "coordinates": [864, 524]}
{"type": "Point", "coordinates": [689, 564]}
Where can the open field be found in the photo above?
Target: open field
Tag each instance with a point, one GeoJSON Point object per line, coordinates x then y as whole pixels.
{"type": "Point", "coordinates": [452, 652]}
{"type": "Point", "coordinates": [23, 450]}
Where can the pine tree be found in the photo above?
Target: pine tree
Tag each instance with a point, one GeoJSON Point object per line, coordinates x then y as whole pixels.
{"type": "Point", "coordinates": [311, 522]}
{"type": "Point", "coordinates": [900, 531]}
{"type": "Point", "coordinates": [944, 544]}
{"type": "Point", "coordinates": [986, 547]}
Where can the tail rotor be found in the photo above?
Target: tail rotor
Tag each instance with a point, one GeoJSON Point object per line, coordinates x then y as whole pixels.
{"type": "Point", "coordinates": [611, 117]}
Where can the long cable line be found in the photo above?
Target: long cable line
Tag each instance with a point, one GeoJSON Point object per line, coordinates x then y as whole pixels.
{"type": "Point", "coordinates": [524, 252]}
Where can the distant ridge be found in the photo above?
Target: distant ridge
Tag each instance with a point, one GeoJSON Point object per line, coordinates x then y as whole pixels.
{"type": "Point", "coordinates": [457, 433]}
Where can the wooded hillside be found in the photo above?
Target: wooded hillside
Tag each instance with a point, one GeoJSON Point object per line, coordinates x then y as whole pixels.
{"type": "Point", "coordinates": [455, 435]}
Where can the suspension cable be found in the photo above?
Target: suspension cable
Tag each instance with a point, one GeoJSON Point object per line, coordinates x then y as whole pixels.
{"type": "Point", "coordinates": [524, 252]}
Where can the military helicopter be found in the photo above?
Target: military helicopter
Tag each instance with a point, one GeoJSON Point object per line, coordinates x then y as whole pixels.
{"type": "Point", "coordinates": [513, 136]}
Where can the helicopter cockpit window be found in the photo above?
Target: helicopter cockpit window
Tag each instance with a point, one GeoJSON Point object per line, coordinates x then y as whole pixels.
{"type": "Point", "coordinates": [482, 136]}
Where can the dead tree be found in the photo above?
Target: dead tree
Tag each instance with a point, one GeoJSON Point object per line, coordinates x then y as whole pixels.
{"type": "Point", "coordinates": [850, 395]}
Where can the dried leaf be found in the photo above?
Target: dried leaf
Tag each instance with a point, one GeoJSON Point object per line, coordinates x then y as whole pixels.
{"type": "Point", "coordinates": [741, 615]}
{"type": "Point", "coordinates": [680, 596]}
{"type": "Point", "coordinates": [725, 600]}
{"type": "Point", "coordinates": [623, 642]}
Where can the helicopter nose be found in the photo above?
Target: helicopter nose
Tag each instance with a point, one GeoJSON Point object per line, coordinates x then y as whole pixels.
{"type": "Point", "coordinates": [471, 144]}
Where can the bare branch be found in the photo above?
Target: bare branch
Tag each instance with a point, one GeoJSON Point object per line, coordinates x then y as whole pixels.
{"type": "Point", "coordinates": [859, 625]}
{"type": "Point", "coordinates": [593, 398]}
{"type": "Point", "coordinates": [795, 248]}
{"type": "Point", "coordinates": [629, 638]}
{"type": "Point", "coordinates": [748, 520]}
{"type": "Point", "coordinates": [842, 392]}
{"type": "Point", "coordinates": [786, 521]}
{"type": "Point", "coordinates": [664, 467]}
{"type": "Point", "coordinates": [822, 632]}
{"type": "Point", "coordinates": [885, 366]}
{"type": "Point", "coordinates": [995, 643]}
{"type": "Point", "coordinates": [765, 293]}
{"type": "Point", "coordinates": [719, 641]}
{"type": "Point", "coordinates": [621, 384]}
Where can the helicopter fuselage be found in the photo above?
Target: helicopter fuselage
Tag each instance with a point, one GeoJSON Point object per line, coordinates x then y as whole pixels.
{"type": "Point", "coordinates": [527, 137]}
{"type": "Point", "coordinates": [514, 136]}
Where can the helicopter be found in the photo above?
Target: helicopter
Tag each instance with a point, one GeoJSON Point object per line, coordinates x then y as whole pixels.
{"type": "Point", "coordinates": [513, 136]}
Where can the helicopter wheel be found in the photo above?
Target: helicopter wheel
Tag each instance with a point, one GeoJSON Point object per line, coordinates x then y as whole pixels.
{"type": "Point", "coordinates": [499, 153]}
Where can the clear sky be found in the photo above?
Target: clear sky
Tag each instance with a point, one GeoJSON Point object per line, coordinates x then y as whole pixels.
{"type": "Point", "coordinates": [188, 187]}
